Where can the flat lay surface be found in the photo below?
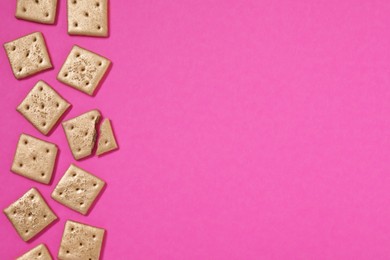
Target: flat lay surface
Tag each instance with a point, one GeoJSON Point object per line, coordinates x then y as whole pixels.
{"type": "Point", "coordinates": [253, 129]}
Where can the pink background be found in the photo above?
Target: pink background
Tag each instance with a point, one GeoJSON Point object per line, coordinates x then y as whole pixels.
{"type": "Point", "coordinates": [247, 129]}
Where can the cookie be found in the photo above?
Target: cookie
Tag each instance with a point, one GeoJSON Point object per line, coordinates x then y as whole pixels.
{"type": "Point", "coordinates": [81, 133]}
{"type": "Point", "coordinates": [83, 70]}
{"type": "Point", "coordinates": [39, 11]}
{"type": "Point", "coordinates": [30, 214]}
{"type": "Point", "coordinates": [43, 107]}
{"type": "Point", "coordinates": [78, 189]}
{"type": "Point", "coordinates": [34, 159]}
{"type": "Point", "coordinates": [106, 141]}
{"type": "Point", "coordinates": [80, 241]}
{"type": "Point", "coordinates": [28, 55]}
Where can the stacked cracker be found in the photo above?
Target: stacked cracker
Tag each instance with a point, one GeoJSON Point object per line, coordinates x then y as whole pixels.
{"type": "Point", "coordinates": [44, 108]}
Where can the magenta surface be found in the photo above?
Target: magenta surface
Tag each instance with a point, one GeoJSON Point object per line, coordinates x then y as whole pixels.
{"type": "Point", "coordinates": [247, 129]}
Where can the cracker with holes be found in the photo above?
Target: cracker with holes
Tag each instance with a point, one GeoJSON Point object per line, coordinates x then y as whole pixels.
{"type": "Point", "coordinates": [40, 11]}
{"type": "Point", "coordinates": [106, 142]}
{"type": "Point", "coordinates": [43, 107]}
{"type": "Point", "coordinates": [81, 133]}
{"type": "Point", "coordinates": [30, 214]}
{"type": "Point", "coordinates": [40, 252]}
{"type": "Point", "coordinates": [88, 17]}
{"type": "Point", "coordinates": [28, 55]}
{"type": "Point", "coordinates": [80, 241]}
{"type": "Point", "coordinates": [34, 159]}
{"type": "Point", "coordinates": [78, 189]}
{"type": "Point", "coordinates": [83, 70]}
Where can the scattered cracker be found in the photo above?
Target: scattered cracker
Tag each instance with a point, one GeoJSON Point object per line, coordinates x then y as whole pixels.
{"type": "Point", "coordinates": [83, 70]}
{"type": "Point", "coordinates": [30, 214]}
{"type": "Point", "coordinates": [88, 17]}
{"type": "Point", "coordinates": [43, 107]}
{"type": "Point", "coordinates": [34, 159]}
{"type": "Point", "coordinates": [40, 11]}
{"type": "Point", "coordinates": [80, 241]}
{"type": "Point", "coordinates": [39, 252]}
{"type": "Point", "coordinates": [78, 189]}
{"type": "Point", "coordinates": [81, 133]}
{"type": "Point", "coordinates": [28, 55]}
{"type": "Point", "coordinates": [106, 140]}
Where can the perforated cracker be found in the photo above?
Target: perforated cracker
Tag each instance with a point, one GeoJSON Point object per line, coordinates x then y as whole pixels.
{"type": "Point", "coordinates": [30, 214]}
{"type": "Point", "coordinates": [81, 133]}
{"type": "Point", "coordinates": [78, 189]}
{"type": "Point", "coordinates": [88, 17]}
{"type": "Point", "coordinates": [81, 241]}
{"type": "Point", "coordinates": [40, 252]}
{"type": "Point", "coordinates": [106, 142]}
{"type": "Point", "coordinates": [40, 11]}
{"type": "Point", "coordinates": [34, 159]}
{"type": "Point", "coordinates": [83, 70]}
{"type": "Point", "coordinates": [43, 107]}
{"type": "Point", "coordinates": [28, 55]}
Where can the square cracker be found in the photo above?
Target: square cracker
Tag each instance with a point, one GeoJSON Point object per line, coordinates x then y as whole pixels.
{"type": "Point", "coordinates": [30, 214]}
{"type": "Point", "coordinates": [78, 189]}
{"type": "Point", "coordinates": [81, 133]}
{"type": "Point", "coordinates": [43, 107]}
{"type": "Point", "coordinates": [40, 252]}
{"type": "Point", "coordinates": [34, 159]}
{"type": "Point", "coordinates": [80, 241]}
{"type": "Point", "coordinates": [88, 17]}
{"type": "Point", "coordinates": [106, 140]}
{"type": "Point", "coordinates": [28, 55]}
{"type": "Point", "coordinates": [83, 70]}
{"type": "Point", "coordinates": [40, 11]}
